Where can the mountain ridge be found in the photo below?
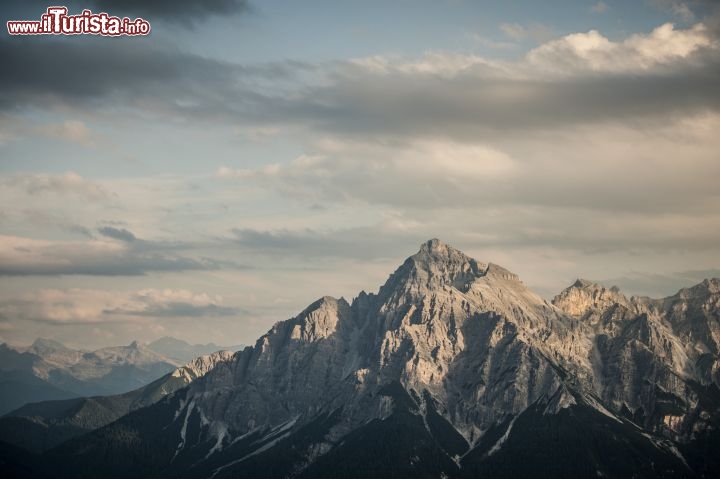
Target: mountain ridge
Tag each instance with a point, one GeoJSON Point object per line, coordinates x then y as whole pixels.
{"type": "Point", "coordinates": [47, 370]}
{"type": "Point", "coordinates": [40, 426]}
{"type": "Point", "coordinates": [464, 361]}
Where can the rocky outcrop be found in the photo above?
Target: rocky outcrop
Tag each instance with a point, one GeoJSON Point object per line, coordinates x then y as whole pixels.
{"type": "Point", "coordinates": [654, 360]}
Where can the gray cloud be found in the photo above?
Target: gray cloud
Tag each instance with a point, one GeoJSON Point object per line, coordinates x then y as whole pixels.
{"type": "Point", "coordinates": [83, 306]}
{"type": "Point", "coordinates": [177, 309]}
{"type": "Point", "coordinates": [581, 169]}
{"type": "Point", "coordinates": [498, 228]}
{"type": "Point", "coordinates": [89, 74]}
{"type": "Point", "coordinates": [462, 97]}
{"type": "Point", "coordinates": [679, 8]}
{"type": "Point", "coordinates": [26, 257]}
{"type": "Point", "coordinates": [361, 243]}
{"type": "Point", "coordinates": [185, 12]}
{"type": "Point", "coordinates": [47, 220]}
{"type": "Point", "coordinates": [94, 71]}
{"type": "Point", "coordinates": [117, 233]}
{"type": "Point", "coordinates": [67, 184]}
{"type": "Point", "coordinates": [129, 264]}
{"type": "Point", "coordinates": [467, 107]}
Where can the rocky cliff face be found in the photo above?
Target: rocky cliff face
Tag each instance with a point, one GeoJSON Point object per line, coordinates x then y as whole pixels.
{"type": "Point", "coordinates": [465, 363]}
{"type": "Point", "coordinates": [653, 360]}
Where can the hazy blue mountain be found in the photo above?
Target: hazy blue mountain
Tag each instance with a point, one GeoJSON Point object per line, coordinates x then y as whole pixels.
{"type": "Point", "coordinates": [40, 426]}
{"type": "Point", "coordinates": [19, 385]}
{"type": "Point", "coordinates": [49, 370]}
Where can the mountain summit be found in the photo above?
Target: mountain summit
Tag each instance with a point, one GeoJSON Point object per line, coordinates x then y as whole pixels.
{"type": "Point", "coordinates": [435, 267]}
{"type": "Point", "coordinates": [454, 369]}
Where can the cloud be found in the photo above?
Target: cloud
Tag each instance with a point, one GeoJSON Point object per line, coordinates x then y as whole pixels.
{"type": "Point", "coordinates": [576, 145]}
{"type": "Point", "coordinates": [346, 170]}
{"type": "Point", "coordinates": [594, 190]}
{"type": "Point", "coordinates": [185, 12]}
{"type": "Point", "coordinates": [169, 303]}
{"type": "Point", "coordinates": [498, 227]}
{"type": "Point", "coordinates": [592, 51]}
{"type": "Point", "coordinates": [48, 72]}
{"type": "Point", "coordinates": [70, 306]}
{"type": "Point", "coordinates": [579, 78]}
{"type": "Point", "coordinates": [177, 309]}
{"type": "Point", "coordinates": [492, 44]}
{"type": "Point", "coordinates": [680, 9]}
{"type": "Point", "coordinates": [87, 306]}
{"type": "Point", "coordinates": [535, 31]}
{"type": "Point", "coordinates": [513, 30]}
{"type": "Point", "coordinates": [46, 220]}
{"type": "Point", "coordinates": [383, 240]}
{"type": "Point", "coordinates": [50, 228]}
{"type": "Point", "coordinates": [596, 168]}
{"type": "Point", "coordinates": [599, 7]}
{"type": "Point", "coordinates": [69, 183]}
{"type": "Point", "coordinates": [259, 134]}
{"type": "Point", "coordinates": [70, 130]}
{"type": "Point", "coordinates": [29, 257]}
{"type": "Point", "coordinates": [117, 233]}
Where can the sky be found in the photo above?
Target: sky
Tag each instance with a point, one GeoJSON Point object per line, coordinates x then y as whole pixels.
{"type": "Point", "coordinates": [246, 158]}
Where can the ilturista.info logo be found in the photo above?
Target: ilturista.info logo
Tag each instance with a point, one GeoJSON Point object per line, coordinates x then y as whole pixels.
{"type": "Point", "coordinates": [57, 22]}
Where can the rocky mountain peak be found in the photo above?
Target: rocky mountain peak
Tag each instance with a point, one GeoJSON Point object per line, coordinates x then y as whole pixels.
{"type": "Point", "coordinates": [701, 290]}
{"type": "Point", "coordinates": [434, 245]}
{"type": "Point", "coordinates": [201, 365]}
{"type": "Point", "coordinates": [584, 297]}
{"type": "Point", "coordinates": [434, 267]}
{"type": "Point", "coordinates": [435, 251]}
{"type": "Point", "coordinates": [47, 345]}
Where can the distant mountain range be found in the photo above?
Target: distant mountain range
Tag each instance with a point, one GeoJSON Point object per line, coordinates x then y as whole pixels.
{"type": "Point", "coordinates": [49, 370]}
{"type": "Point", "coordinates": [184, 351]}
{"type": "Point", "coordinates": [39, 426]}
{"type": "Point", "coordinates": [454, 369]}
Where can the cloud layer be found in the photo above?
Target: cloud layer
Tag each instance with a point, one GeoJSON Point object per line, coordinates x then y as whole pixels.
{"type": "Point", "coordinates": [89, 306]}
{"type": "Point", "coordinates": [587, 155]}
{"type": "Point", "coordinates": [582, 78]}
{"type": "Point", "coordinates": [28, 257]}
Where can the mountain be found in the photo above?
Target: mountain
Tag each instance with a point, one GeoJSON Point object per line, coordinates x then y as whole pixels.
{"type": "Point", "coordinates": [19, 384]}
{"type": "Point", "coordinates": [655, 361]}
{"type": "Point", "coordinates": [40, 426]}
{"type": "Point", "coordinates": [119, 369]}
{"type": "Point", "coordinates": [184, 351]}
{"type": "Point", "coordinates": [453, 369]}
{"type": "Point", "coordinates": [48, 370]}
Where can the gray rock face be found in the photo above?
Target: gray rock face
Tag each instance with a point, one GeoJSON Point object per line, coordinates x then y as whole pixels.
{"type": "Point", "coordinates": [653, 359]}
{"type": "Point", "coordinates": [468, 341]}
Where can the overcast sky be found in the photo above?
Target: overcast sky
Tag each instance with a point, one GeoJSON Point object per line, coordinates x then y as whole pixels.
{"type": "Point", "coordinates": [248, 157]}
